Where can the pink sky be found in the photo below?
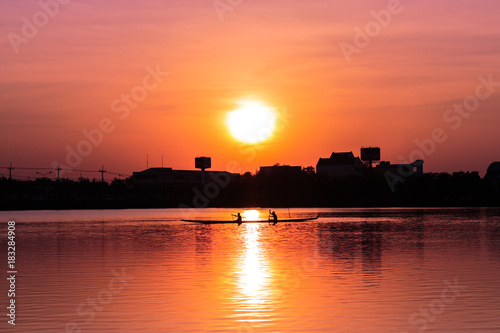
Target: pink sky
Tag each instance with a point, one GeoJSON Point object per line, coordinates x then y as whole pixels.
{"type": "Point", "coordinates": [286, 53]}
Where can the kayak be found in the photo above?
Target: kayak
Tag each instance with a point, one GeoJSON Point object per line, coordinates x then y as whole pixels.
{"type": "Point", "coordinates": [250, 221]}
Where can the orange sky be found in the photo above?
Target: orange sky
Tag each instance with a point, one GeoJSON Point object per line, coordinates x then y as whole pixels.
{"type": "Point", "coordinates": [286, 53]}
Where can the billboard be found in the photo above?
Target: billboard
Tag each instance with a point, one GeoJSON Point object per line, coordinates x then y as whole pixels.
{"type": "Point", "coordinates": [203, 162]}
{"type": "Point", "coordinates": [370, 154]}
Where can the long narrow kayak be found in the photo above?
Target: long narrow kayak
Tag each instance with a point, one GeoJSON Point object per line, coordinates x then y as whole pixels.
{"type": "Point", "coordinates": [250, 221]}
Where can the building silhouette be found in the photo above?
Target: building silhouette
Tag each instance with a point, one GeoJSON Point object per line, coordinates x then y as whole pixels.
{"type": "Point", "coordinates": [340, 165]}
{"type": "Point", "coordinates": [346, 164]}
{"type": "Point", "coordinates": [154, 176]}
{"type": "Point", "coordinates": [281, 169]}
{"type": "Point", "coordinates": [414, 168]}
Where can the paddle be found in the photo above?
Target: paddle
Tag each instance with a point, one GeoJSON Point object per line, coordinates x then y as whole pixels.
{"type": "Point", "coordinates": [269, 221]}
{"type": "Point", "coordinates": [239, 221]}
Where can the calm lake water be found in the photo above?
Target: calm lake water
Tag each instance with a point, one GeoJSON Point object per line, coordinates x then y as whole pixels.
{"type": "Point", "coordinates": [352, 270]}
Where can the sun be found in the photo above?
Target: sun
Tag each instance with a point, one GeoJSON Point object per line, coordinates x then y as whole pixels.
{"type": "Point", "coordinates": [251, 215]}
{"type": "Point", "coordinates": [253, 121]}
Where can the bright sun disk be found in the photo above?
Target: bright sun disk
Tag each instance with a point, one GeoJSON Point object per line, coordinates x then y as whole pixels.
{"type": "Point", "coordinates": [251, 215]}
{"type": "Point", "coordinates": [252, 122]}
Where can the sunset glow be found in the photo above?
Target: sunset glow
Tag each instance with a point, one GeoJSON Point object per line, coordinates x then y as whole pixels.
{"type": "Point", "coordinates": [251, 215]}
{"type": "Point", "coordinates": [252, 122]}
{"type": "Point", "coordinates": [173, 72]}
{"type": "Point", "coordinates": [250, 166]}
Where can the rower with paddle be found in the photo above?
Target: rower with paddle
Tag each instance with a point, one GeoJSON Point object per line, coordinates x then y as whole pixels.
{"type": "Point", "coordinates": [274, 217]}
{"type": "Point", "coordinates": [238, 218]}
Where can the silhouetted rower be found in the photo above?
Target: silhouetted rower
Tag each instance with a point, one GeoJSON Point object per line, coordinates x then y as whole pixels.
{"type": "Point", "coordinates": [275, 217]}
{"type": "Point", "coordinates": [238, 218]}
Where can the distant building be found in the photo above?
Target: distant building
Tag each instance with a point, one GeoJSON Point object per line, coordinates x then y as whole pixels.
{"type": "Point", "coordinates": [267, 170]}
{"type": "Point", "coordinates": [346, 164]}
{"type": "Point", "coordinates": [415, 168]}
{"type": "Point", "coordinates": [340, 165]}
{"type": "Point", "coordinates": [170, 176]}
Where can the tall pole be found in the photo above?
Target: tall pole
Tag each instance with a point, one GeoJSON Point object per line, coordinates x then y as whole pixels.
{"type": "Point", "coordinates": [10, 171]}
{"type": "Point", "coordinates": [147, 161]}
{"type": "Point", "coordinates": [58, 169]}
{"type": "Point", "coordinates": [102, 171]}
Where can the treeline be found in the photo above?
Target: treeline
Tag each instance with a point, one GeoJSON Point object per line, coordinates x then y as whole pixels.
{"type": "Point", "coordinates": [277, 188]}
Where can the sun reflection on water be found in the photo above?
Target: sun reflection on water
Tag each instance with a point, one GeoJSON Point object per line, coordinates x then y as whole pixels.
{"type": "Point", "coordinates": [253, 272]}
